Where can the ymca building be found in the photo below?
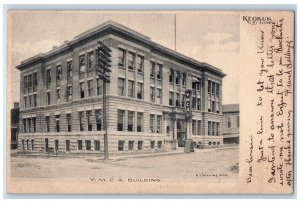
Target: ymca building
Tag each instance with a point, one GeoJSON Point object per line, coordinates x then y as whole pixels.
{"type": "Point", "coordinates": [61, 97]}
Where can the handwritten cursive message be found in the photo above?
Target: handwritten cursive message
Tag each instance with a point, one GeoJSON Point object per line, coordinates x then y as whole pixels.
{"type": "Point", "coordinates": [272, 150]}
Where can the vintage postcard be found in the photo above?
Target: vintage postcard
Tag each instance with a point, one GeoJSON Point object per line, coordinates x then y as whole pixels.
{"type": "Point", "coordinates": [150, 102]}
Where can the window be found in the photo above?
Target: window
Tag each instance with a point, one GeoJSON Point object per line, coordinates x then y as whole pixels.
{"type": "Point", "coordinates": [121, 58]}
{"type": "Point", "coordinates": [218, 107]}
{"type": "Point", "coordinates": [81, 125]}
{"type": "Point", "coordinates": [121, 86]}
{"type": "Point", "coordinates": [56, 145]}
{"type": "Point", "coordinates": [69, 122]}
{"type": "Point", "coordinates": [140, 90]}
{"type": "Point", "coordinates": [152, 117]}
{"type": "Point", "coordinates": [69, 93]}
{"type": "Point", "coordinates": [130, 121]}
{"type": "Point", "coordinates": [98, 119]}
{"type": "Point", "coordinates": [48, 98]}
{"type": "Point", "coordinates": [177, 100]}
{"type": "Point", "coordinates": [121, 116]}
{"type": "Point", "coordinates": [34, 100]}
{"type": "Point", "coordinates": [88, 144]}
{"type": "Point", "coordinates": [29, 99]}
{"type": "Point", "coordinates": [194, 127]}
{"type": "Point", "coordinates": [199, 127]}
{"type": "Point", "coordinates": [32, 144]}
{"type": "Point", "coordinates": [34, 124]}
{"type": "Point", "coordinates": [69, 70]}
{"type": "Point", "coordinates": [25, 82]}
{"type": "Point", "coordinates": [152, 98]}
{"type": "Point", "coordinates": [177, 76]}
{"type": "Point", "coordinates": [34, 81]}
{"type": "Point", "coordinates": [209, 127]}
{"type": "Point", "coordinates": [47, 123]}
{"type": "Point", "coordinates": [89, 120]}
{"type": "Point", "coordinates": [198, 104]}
{"type": "Point", "coordinates": [139, 122]}
{"type": "Point", "coordinates": [99, 87]}
{"type": "Point", "coordinates": [213, 128]}
{"type": "Point", "coordinates": [171, 76]}
{"type": "Point", "coordinates": [130, 88]}
{"type": "Point", "coordinates": [79, 144]}
{"type": "Point", "coordinates": [159, 144]}
{"type": "Point", "coordinates": [213, 88]}
{"type": "Point", "coordinates": [23, 144]}
{"type": "Point", "coordinates": [183, 101]}
{"type": "Point", "coordinates": [238, 121]}
{"type": "Point", "coordinates": [58, 95]}
{"type": "Point", "coordinates": [209, 86]}
{"type": "Point", "coordinates": [121, 145]}
{"type": "Point", "coordinates": [29, 124]}
{"type": "Point", "coordinates": [194, 88]}
{"type": "Point", "coordinates": [158, 124]}
{"type": "Point", "coordinates": [140, 145]}
{"type": "Point", "coordinates": [67, 145]}
{"type": "Point", "coordinates": [130, 61]}
{"type": "Point", "coordinates": [58, 73]}
{"type": "Point", "coordinates": [217, 90]}
{"type": "Point", "coordinates": [130, 145]}
{"type": "Point", "coordinates": [140, 64]}
{"type": "Point", "coordinates": [218, 129]}
{"type": "Point", "coordinates": [48, 76]}
{"type": "Point", "coordinates": [183, 79]}
{"type": "Point", "coordinates": [90, 88]}
{"type": "Point", "coordinates": [159, 95]}
{"type": "Point", "coordinates": [152, 144]}
{"type": "Point", "coordinates": [171, 98]}
{"type": "Point", "coordinates": [81, 67]}
{"type": "Point", "coordinates": [24, 125]}
{"type": "Point", "coordinates": [152, 72]}
{"type": "Point", "coordinates": [158, 72]}
{"type": "Point", "coordinates": [81, 89]}
{"type": "Point", "coordinates": [27, 144]}
{"type": "Point", "coordinates": [209, 105]}
{"type": "Point", "coordinates": [25, 102]}
{"type": "Point", "coordinates": [90, 58]}
{"type": "Point", "coordinates": [193, 102]}
{"type": "Point", "coordinates": [30, 81]}
{"type": "Point", "coordinates": [57, 124]}
{"type": "Point", "coordinates": [213, 106]}
{"type": "Point", "coordinates": [198, 86]}
{"type": "Point", "coordinates": [97, 145]}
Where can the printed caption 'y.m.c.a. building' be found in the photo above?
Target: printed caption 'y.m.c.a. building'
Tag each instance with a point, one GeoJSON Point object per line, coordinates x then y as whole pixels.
{"type": "Point", "coordinates": [61, 97]}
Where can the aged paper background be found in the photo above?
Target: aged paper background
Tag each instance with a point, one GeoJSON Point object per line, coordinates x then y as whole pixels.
{"type": "Point", "coordinates": [266, 89]}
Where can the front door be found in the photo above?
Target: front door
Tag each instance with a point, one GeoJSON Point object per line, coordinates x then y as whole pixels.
{"type": "Point", "coordinates": [180, 134]}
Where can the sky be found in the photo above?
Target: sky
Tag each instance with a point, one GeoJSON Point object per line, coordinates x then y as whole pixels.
{"type": "Point", "coordinates": [206, 37]}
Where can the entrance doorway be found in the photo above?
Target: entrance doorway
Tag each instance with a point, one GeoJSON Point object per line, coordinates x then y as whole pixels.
{"type": "Point", "coordinates": [181, 134]}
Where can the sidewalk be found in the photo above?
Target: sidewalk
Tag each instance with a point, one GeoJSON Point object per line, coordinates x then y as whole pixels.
{"type": "Point", "coordinates": [118, 156]}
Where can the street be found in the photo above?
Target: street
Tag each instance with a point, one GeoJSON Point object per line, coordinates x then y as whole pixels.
{"type": "Point", "coordinates": [204, 164]}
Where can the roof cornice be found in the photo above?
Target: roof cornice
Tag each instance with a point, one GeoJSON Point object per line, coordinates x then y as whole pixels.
{"type": "Point", "coordinates": [111, 27]}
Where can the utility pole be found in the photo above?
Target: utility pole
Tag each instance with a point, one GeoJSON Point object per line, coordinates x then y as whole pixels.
{"type": "Point", "coordinates": [104, 64]}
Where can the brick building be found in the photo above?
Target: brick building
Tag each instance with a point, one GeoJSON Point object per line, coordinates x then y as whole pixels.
{"type": "Point", "coordinates": [61, 96]}
{"type": "Point", "coordinates": [231, 124]}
